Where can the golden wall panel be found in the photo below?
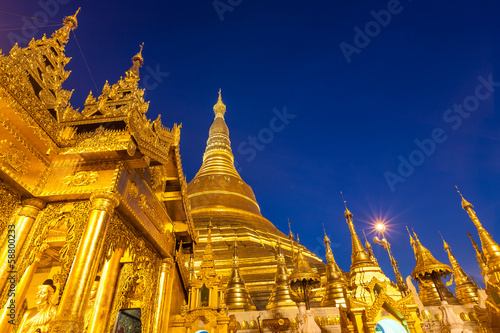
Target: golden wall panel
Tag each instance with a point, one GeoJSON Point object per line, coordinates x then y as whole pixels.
{"type": "Point", "coordinates": [19, 160]}
{"type": "Point", "coordinates": [81, 178]}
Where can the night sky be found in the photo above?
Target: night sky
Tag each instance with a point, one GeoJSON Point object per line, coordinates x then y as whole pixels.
{"type": "Point", "coordinates": [390, 102]}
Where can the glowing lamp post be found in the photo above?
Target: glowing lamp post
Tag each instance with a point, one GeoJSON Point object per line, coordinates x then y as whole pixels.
{"type": "Point", "coordinates": [403, 288]}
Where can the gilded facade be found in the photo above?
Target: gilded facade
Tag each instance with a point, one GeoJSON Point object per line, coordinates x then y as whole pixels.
{"type": "Point", "coordinates": [101, 232]}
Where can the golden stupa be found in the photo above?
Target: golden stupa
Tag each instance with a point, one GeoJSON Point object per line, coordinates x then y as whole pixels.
{"type": "Point", "coordinates": [219, 194]}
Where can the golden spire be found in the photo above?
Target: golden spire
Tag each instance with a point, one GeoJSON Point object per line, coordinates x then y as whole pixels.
{"type": "Point", "coordinates": [207, 265]}
{"type": "Point", "coordinates": [280, 295]}
{"type": "Point", "coordinates": [429, 272]}
{"type": "Point", "coordinates": [137, 62]}
{"type": "Point", "coordinates": [481, 259]}
{"type": "Point", "coordinates": [218, 158]}
{"type": "Point", "coordinates": [369, 249]}
{"type": "Point", "coordinates": [292, 238]}
{"type": "Point", "coordinates": [290, 233]}
{"type": "Point", "coordinates": [359, 255]}
{"type": "Point", "coordinates": [491, 249]}
{"type": "Point", "coordinates": [303, 277]}
{"type": "Point", "coordinates": [465, 289]}
{"type": "Point", "coordinates": [236, 296]}
{"type": "Point", "coordinates": [335, 282]}
{"type": "Point", "coordinates": [426, 263]}
{"type": "Point", "coordinates": [70, 23]}
{"type": "Point", "coordinates": [219, 107]}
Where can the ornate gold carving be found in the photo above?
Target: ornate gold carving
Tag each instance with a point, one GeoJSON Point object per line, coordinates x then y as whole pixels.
{"type": "Point", "coordinates": [81, 178]}
{"type": "Point", "coordinates": [131, 148]}
{"type": "Point", "coordinates": [151, 213]}
{"type": "Point", "coordinates": [133, 190]}
{"type": "Point", "coordinates": [70, 219]}
{"type": "Point", "coordinates": [14, 157]}
{"type": "Point", "coordinates": [9, 202]}
{"type": "Point", "coordinates": [99, 140]}
{"type": "Point", "coordinates": [138, 280]}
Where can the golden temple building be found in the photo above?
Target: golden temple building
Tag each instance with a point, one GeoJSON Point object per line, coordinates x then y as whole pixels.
{"type": "Point", "coordinates": [102, 233]}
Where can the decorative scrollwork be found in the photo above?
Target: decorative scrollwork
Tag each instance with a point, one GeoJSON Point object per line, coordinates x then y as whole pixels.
{"type": "Point", "coordinates": [81, 178]}
{"type": "Point", "coordinates": [14, 157]}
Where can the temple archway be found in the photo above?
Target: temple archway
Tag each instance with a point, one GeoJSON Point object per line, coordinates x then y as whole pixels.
{"type": "Point", "coordinates": [390, 326]}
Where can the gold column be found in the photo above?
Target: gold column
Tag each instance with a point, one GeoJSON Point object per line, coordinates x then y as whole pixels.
{"type": "Point", "coordinates": [20, 292]}
{"type": "Point", "coordinates": [168, 306]}
{"type": "Point", "coordinates": [105, 293]}
{"type": "Point", "coordinates": [23, 223]}
{"type": "Point", "coordinates": [70, 313]}
{"type": "Point", "coordinates": [161, 316]}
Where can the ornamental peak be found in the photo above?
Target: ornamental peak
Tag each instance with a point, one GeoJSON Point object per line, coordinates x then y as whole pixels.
{"type": "Point", "coordinates": [137, 62]}
{"type": "Point", "coordinates": [70, 21]}
{"type": "Point", "coordinates": [347, 212]}
{"type": "Point", "coordinates": [446, 246]}
{"type": "Point", "coordinates": [465, 203]}
{"type": "Point", "coordinates": [326, 240]}
{"type": "Point", "coordinates": [219, 107]}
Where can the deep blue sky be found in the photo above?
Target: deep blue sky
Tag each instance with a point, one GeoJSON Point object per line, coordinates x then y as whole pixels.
{"type": "Point", "coordinates": [352, 121]}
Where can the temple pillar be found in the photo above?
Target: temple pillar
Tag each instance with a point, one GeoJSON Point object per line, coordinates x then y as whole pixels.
{"type": "Point", "coordinates": [71, 309]}
{"type": "Point", "coordinates": [358, 319]}
{"type": "Point", "coordinates": [106, 291]}
{"type": "Point", "coordinates": [14, 302]}
{"type": "Point", "coordinates": [23, 223]}
{"type": "Point", "coordinates": [161, 314]}
{"type": "Point", "coordinates": [370, 327]}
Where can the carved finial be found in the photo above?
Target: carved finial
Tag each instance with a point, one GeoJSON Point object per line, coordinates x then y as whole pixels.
{"type": "Point", "coordinates": [326, 240]}
{"type": "Point", "coordinates": [446, 246]}
{"type": "Point", "coordinates": [414, 234]}
{"type": "Point", "coordinates": [138, 56]}
{"type": "Point", "coordinates": [465, 203]}
{"type": "Point", "coordinates": [137, 62]}
{"type": "Point", "coordinates": [219, 107]}
{"type": "Point", "coordinates": [290, 233]}
{"type": "Point", "coordinates": [347, 212]}
{"type": "Point", "coordinates": [412, 241]}
{"type": "Point", "coordinates": [235, 255]}
{"type": "Point", "coordinates": [70, 21]}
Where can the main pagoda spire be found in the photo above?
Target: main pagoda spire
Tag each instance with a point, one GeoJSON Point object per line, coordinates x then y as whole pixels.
{"type": "Point", "coordinates": [218, 157]}
{"type": "Point", "coordinates": [217, 180]}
